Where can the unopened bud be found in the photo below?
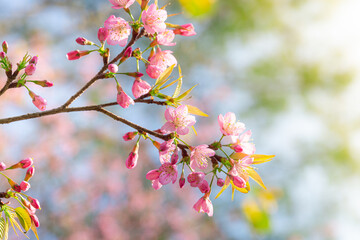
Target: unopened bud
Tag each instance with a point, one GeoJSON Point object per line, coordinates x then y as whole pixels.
{"type": "Point", "coordinates": [35, 220]}
{"type": "Point", "coordinates": [127, 54]}
{"type": "Point", "coordinates": [5, 46]}
{"type": "Point", "coordinates": [129, 136]}
{"type": "Point", "coordinates": [113, 68]}
{"type": "Point", "coordinates": [238, 181]}
{"type": "Point", "coordinates": [2, 55]}
{"type": "Point", "coordinates": [144, 4]}
{"type": "Point", "coordinates": [29, 173]}
{"type": "Point", "coordinates": [2, 166]}
{"type": "Point", "coordinates": [182, 181]}
{"type": "Point", "coordinates": [24, 185]}
{"type": "Point", "coordinates": [134, 74]}
{"type": "Point", "coordinates": [26, 162]}
{"type": "Point", "coordinates": [103, 34]}
{"type": "Point", "coordinates": [131, 161]}
{"type": "Point", "coordinates": [74, 55]}
{"type": "Point", "coordinates": [34, 60]}
{"type": "Point", "coordinates": [34, 202]}
{"type": "Point", "coordinates": [220, 182]}
{"type": "Point", "coordinates": [30, 69]}
{"type": "Point", "coordinates": [83, 41]}
{"type": "Point", "coordinates": [44, 83]}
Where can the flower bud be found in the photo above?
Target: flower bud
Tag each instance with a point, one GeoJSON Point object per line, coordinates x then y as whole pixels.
{"type": "Point", "coordinates": [16, 188]}
{"type": "Point", "coordinates": [83, 41]}
{"type": "Point", "coordinates": [236, 148]}
{"type": "Point", "coordinates": [34, 202]}
{"type": "Point", "coordinates": [74, 55]}
{"type": "Point", "coordinates": [30, 69]}
{"type": "Point", "coordinates": [2, 55]}
{"type": "Point", "coordinates": [103, 34]}
{"type": "Point", "coordinates": [38, 101]}
{"type": "Point", "coordinates": [238, 181]}
{"type": "Point", "coordinates": [26, 162]}
{"type": "Point", "coordinates": [35, 220]}
{"type": "Point", "coordinates": [182, 181]}
{"type": "Point", "coordinates": [129, 136]}
{"type": "Point", "coordinates": [220, 182]}
{"type": "Point", "coordinates": [175, 156]}
{"type": "Point", "coordinates": [195, 178]}
{"type": "Point", "coordinates": [2, 166]}
{"type": "Point", "coordinates": [204, 186]}
{"type": "Point", "coordinates": [124, 100]}
{"type": "Point", "coordinates": [34, 60]}
{"type": "Point", "coordinates": [131, 161]}
{"type": "Point", "coordinates": [113, 68]}
{"type": "Point", "coordinates": [144, 4]}
{"type": "Point", "coordinates": [140, 87]}
{"type": "Point", "coordinates": [24, 185]}
{"type": "Point", "coordinates": [5, 46]}
{"type": "Point", "coordinates": [126, 55]}
{"type": "Point", "coordinates": [44, 83]}
{"type": "Point", "coordinates": [29, 173]}
{"type": "Point", "coordinates": [185, 30]}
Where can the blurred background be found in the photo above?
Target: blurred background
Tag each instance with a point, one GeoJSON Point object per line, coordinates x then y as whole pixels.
{"type": "Point", "coordinates": [289, 70]}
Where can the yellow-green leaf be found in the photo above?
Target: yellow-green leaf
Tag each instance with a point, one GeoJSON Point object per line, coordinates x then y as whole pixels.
{"type": "Point", "coordinates": [258, 158]}
{"type": "Point", "coordinates": [162, 79]}
{"type": "Point", "coordinates": [139, 1]}
{"type": "Point", "coordinates": [33, 228]}
{"type": "Point", "coordinates": [197, 7]}
{"type": "Point", "coordinates": [6, 231]}
{"type": "Point", "coordinates": [2, 227]}
{"type": "Point", "coordinates": [166, 86]}
{"type": "Point", "coordinates": [237, 156]}
{"type": "Point", "coordinates": [196, 111]}
{"type": "Point", "coordinates": [193, 128]}
{"type": "Point", "coordinates": [255, 176]}
{"type": "Point", "coordinates": [185, 93]}
{"type": "Point", "coordinates": [178, 87]}
{"type": "Point", "coordinates": [24, 218]}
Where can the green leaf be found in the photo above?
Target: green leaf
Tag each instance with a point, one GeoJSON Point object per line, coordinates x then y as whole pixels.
{"type": "Point", "coordinates": [24, 218]}
{"type": "Point", "coordinates": [33, 228]}
{"type": "Point", "coordinates": [185, 93]}
{"type": "Point", "coordinates": [196, 111]}
{"type": "Point", "coordinates": [178, 87]}
{"type": "Point", "coordinates": [198, 8]}
{"type": "Point", "coordinates": [163, 78]}
{"type": "Point", "coordinates": [173, 82]}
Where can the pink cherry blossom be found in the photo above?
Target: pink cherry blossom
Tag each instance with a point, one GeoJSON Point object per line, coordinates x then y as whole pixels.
{"type": "Point", "coordinates": [229, 126]}
{"type": "Point", "coordinates": [200, 155]}
{"type": "Point", "coordinates": [204, 186]}
{"type": "Point", "coordinates": [159, 62]}
{"type": "Point", "coordinates": [119, 30]}
{"type": "Point", "coordinates": [39, 102]}
{"type": "Point", "coordinates": [185, 30]}
{"type": "Point", "coordinates": [154, 19]}
{"type": "Point", "coordinates": [124, 100]}
{"type": "Point", "coordinates": [204, 205]}
{"type": "Point", "coordinates": [140, 87]}
{"type": "Point", "coordinates": [243, 145]}
{"type": "Point", "coordinates": [121, 3]}
{"type": "Point", "coordinates": [165, 38]}
{"type": "Point", "coordinates": [30, 69]}
{"type": "Point", "coordinates": [166, 150]}
{"type": "Point", "coordinates": [195, 178]}
{"type": "Point", "coordinates": [165, 174]}
{"type": "Point", "coordinates": [178, 120]}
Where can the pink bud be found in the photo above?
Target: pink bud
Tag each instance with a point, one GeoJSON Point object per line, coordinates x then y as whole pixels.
{"type": "Point", "coordinates": [220, 182]}
{"type": "Point", "coordinates": [5, 46]}
{"type": "Point", "coordinates": [2, 166]}
{"type": "Point", "coordinates": [26, 162]}
{"type": "Point", "coordinates": [129, 136]}
{"type": "Point", "coordinates": [34, 202]}
{"type": "Point", "coordinates": [16, 188]}
{"type": "Point", "coordinates": [113, 68]}
{"type": "Point", "coordinates": [185, 30]}
{"type": "Point", "coordinates": [238, 181]}
{"type": "Point", "coordinates": [83, 41]}
{"type": "Point", "coordinates": [195, 178]}
{"type": "Point", "coordinates": [204, 186]}
{"type": "Point", "coordinates": [174, 157]}
{"type": "Point", "coordinates": [131, 161]}
{"type": "Point", "coordinates": [237, 148]}
{"type": "Point", "coordinates": [74, 55]}
{"type": "Point", "coordinates": [34, 60]}
{"type": "Point", "coordinates": [124, 100]}
{"type": "Point", "coordinates": [35, 220]}
{"type": "Point", "coordinates": [2, 55]}
{"type": "Point", "coordinates": [29, 173]}
{"type": "Point", "coordinates": [103, 34]}
{"type": "Point", "coordinates": [30, 69]}
{"type": "Point", "coordinates": [128, 52]}
{"type": "Point", "coordinates": [181, 182]}
{"type": "Point", "coordinates": [140, 87]}
{"type": "Point", "coordinates": [39, 102]}
{"type": "Point", "coordinates": [24, 185]}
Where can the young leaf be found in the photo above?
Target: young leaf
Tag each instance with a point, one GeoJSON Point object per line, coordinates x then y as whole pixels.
{"type": "Point", "coordinates": [196, 111]}
{"type": "Point", "coordinates": [185, 93]}
{"type": "Point", "coordinates": [24, 218]}
{"type": "Point", "coordinates": [33, 228]}
{"type": "Point", "coordinates": [258, 158]}
{"type": "Point", "coordinates": [169, 84]}
{"type": "Point", "coordinates": [255, 176]}
{"type": "Point", "coordinates": [178, 87]}
{"type": "Point", "coordinates": [162, 79]}
{"type": "Point", "coordinates": [6, 231]}
{"type": "Point", "coordinates": [2, 227]}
